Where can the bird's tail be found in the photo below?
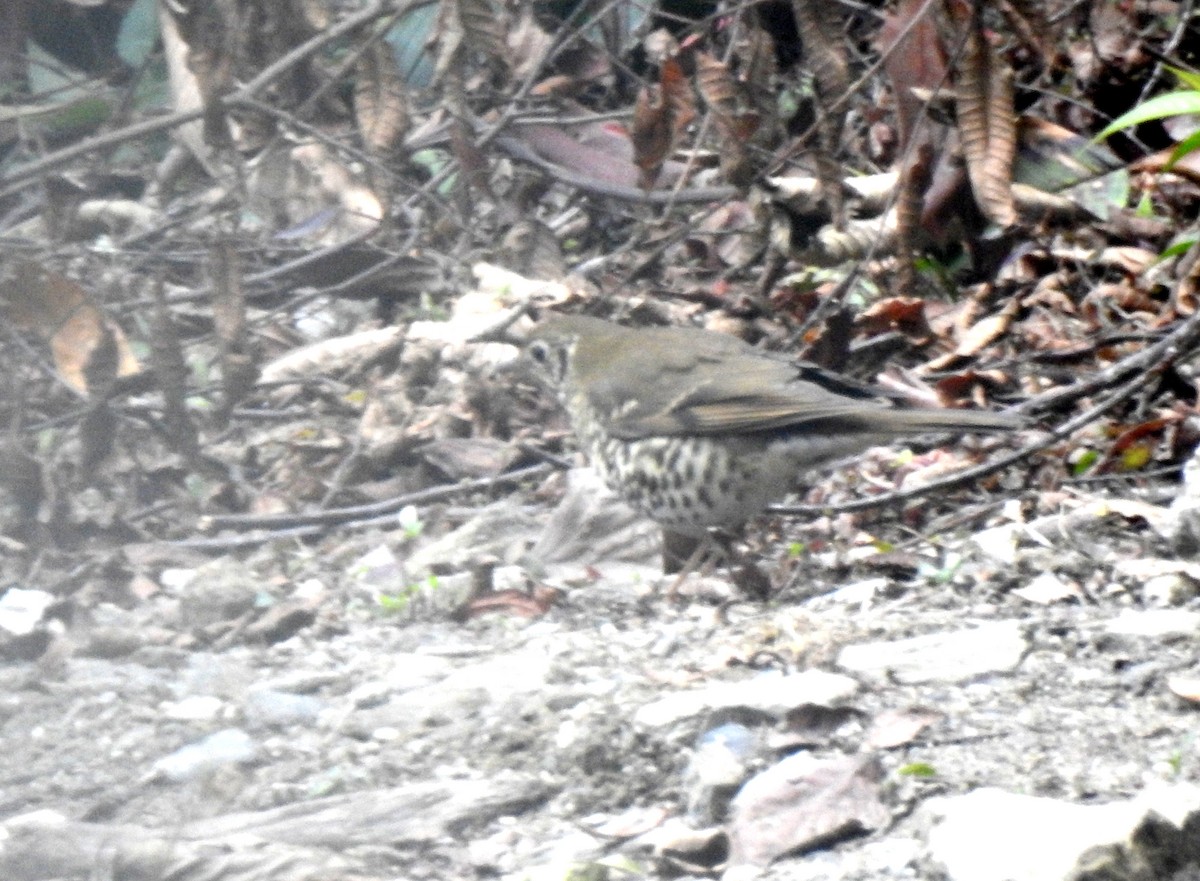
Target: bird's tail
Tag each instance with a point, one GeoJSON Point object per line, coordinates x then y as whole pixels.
{"type": "Point", "coordinates": [902, 422]}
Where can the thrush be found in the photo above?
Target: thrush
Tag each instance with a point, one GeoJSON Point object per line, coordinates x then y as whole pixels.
{"type": "Point", "coordinates": [700, 430]}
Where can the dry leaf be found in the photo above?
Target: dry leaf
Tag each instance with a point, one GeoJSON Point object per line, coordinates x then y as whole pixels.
{"type": "Point", "coordinates": [380, 101]}
{"type": "Point", "coordinates": [1186, 687]}
{"type": "Point", "coordinates": [90, 351]}
{"type": "Point", "coordinates": [893, 728]}
{"type": "Point", "coordinates": [802, 801]}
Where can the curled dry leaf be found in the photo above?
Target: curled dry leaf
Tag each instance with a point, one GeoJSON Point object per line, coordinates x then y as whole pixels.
{"type": "Point", "coordinates": [660, 115]}
{"type": "Point", "coordinates": [512, 602]}
{"type": "Point", "coordinates": [734, 124]}
{"type": "Point", "coordinates": [483, 27]}
{"type": "Point", "coordinates": [380, 100]}
{"type": "Point", "coordinates": [1186, 687]}
{"type": "Point", "coordinates": [650, 133]}
{"type": "Point", "coordinates": [757, 54]}
{"type": "Point", "coordinates": [826, 56]}
{"type": "Point", "coordinates": [984, 332]}
{"type": "Point", "coordinates": [987, 124]}
{"type": "Point", "coordinates": [476, 25]}
{"type": "Point", "coordinates": [969, 385]}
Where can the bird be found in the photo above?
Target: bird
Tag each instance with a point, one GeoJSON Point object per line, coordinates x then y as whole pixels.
{"type": "Point", "coordinates": [700, 431]}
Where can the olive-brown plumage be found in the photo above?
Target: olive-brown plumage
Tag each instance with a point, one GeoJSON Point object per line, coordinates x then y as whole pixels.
{"type": "Point", "coordinates": [699, 430]}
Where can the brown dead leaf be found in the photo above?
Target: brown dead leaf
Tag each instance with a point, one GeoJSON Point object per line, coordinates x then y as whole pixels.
{"type": "Point", "coordinates": [1134, 447]}
{"type": "Point", "coordinates": [1124, 297]}
{"type": "Point", "coordinates": [969, 385]}
{"type": "Point", "coordinates": [90, 350]}
{"type": "Point", "coordinates": [983, 333]}
{"type": "Point", "coordinates": [310, 193]}
{"type": "Point", "coordinates": [801, 801]}
{"type": "Point", "coordinates": [512, 602]}
{"type": "Point", "coordinates": [913, 57]}
{"type": "Point", "coordinates": [734, 122]}
{"type": "Point", "coordinates": [905, 314]}
{"type": "Point", "coordinates": [986, 123]}
{"type": "Point", "coordinates": [1187, 167]}
{"type": "Point", "coordinates": [483, 24]}
{"type": "Point", "coordinates": [650, 132]}
{"type": "Point", "coordinates": [1114, 33]}
{"type": "Point", "coordinates": [660, 115]}
{"type": "Point", "coordinates": [380, 100]}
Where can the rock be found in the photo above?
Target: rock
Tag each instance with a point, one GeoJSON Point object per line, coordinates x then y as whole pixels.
{"type": "Point", "coordinates": [952, 656]}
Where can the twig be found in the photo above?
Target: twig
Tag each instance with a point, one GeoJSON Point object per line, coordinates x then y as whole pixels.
{"type": "Point", "coordinates": [1151, 360]}
{"type": "Point", "coordinates": [358, 513]}
{"type": "Point", "coordinates": [35, 169]}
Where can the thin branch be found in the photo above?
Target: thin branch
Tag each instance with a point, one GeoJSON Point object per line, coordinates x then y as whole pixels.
{"type": "Point", "coordinates": [31, 171]}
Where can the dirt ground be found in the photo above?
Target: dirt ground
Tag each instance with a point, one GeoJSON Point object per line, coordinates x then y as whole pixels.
{"type": "Point", "coordinates": [292, 588]}
{"type": "Point", "coordinates": [270, 695]}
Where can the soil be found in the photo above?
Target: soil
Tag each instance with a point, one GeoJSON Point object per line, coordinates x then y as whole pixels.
{"type": "Point", "coordinates": [490, 743]}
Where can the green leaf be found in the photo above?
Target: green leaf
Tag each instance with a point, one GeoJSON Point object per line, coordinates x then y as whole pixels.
{"type": "Point", "coordinates": [1186, 77]}
{"type": "Point", "coordinates": [1180, 247]}
{"type": "Point", "coordinates": [1145, 206]}
{"type": "Point", "coordinates": [1187, 145]}
{"type": "Point", "coordinates": [1160, 107]}
{"type": "Point", "coordinates": [139, 33]}
{"type": "Point", "coordinates": [409, 40]}
{"type": "Point", "coordinates": [1082, 460]}
{"type": "Point", "coordinates": [918, 769]}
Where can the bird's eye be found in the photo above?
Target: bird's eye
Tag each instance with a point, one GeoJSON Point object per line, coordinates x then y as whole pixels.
{"type": "Point", "coordinates": [550, 358]}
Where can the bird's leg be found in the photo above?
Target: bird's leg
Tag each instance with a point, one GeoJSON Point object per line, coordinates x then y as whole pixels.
{"type": "Point", "coordinates": [680, 551]}
{"type": "Point", "coordinates": [686, 554]}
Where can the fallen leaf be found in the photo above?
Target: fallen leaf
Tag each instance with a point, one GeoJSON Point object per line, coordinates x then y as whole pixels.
{"type": "Point", "coordinates": [801, 802]}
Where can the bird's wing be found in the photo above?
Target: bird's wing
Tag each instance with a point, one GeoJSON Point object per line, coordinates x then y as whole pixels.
{"type": "Point", "coordinates": [697, 394]}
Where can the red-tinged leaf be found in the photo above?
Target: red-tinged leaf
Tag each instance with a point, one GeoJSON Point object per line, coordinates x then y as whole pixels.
{"type": "Point", "coordinates": [677, 92]}
{"type": "Point", "coordinates": [905, 314]}
{"type": "Point", "coordinates": [511, 602]}
{"type": "Point", "coordinates": [650, 132]}
{"type": "Point", "coordinates": [969, 385]}
{"type": "Point", "coordinates": [601, 153]}
{"type": "Point", "coordinates": [913, 57]}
